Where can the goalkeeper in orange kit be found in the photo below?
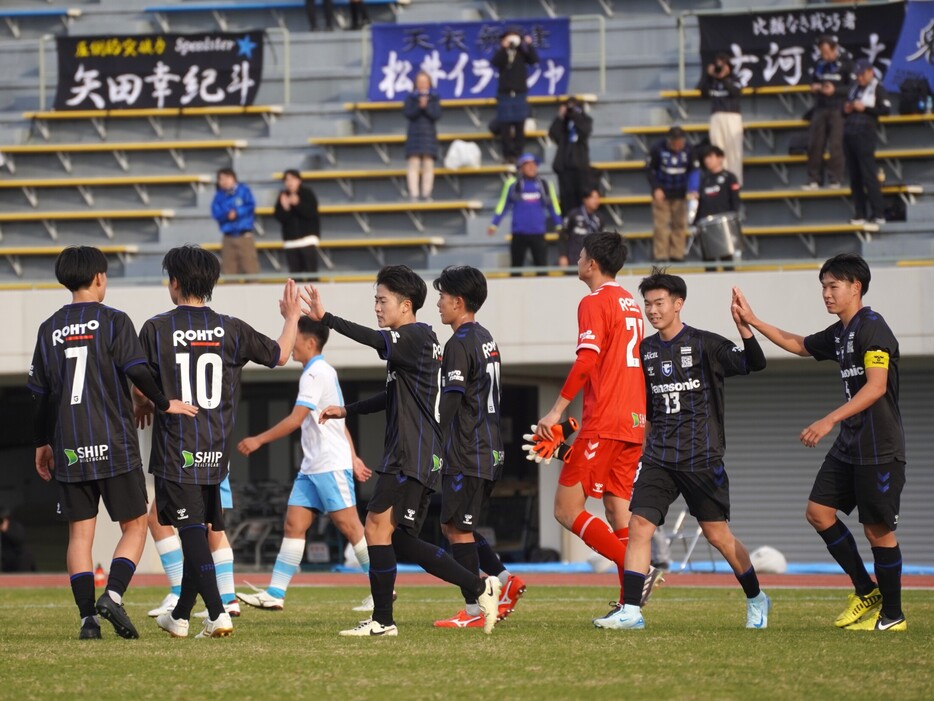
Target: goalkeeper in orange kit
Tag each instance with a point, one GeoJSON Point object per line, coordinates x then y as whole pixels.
{"type": "Point", "coordinates": [606, 455]}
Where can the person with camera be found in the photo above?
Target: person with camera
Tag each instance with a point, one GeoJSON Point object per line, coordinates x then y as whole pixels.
{"type": "Point", "coordinates": [726, 120]}
{"type": "Point", "coordinates": [512, 60]}
{"type": "Point", "coordinates": [570, 131]}
{"type": "Point", "coordinates": [831, 78]}
{"type": "Point", "coordinates": [865, 103]}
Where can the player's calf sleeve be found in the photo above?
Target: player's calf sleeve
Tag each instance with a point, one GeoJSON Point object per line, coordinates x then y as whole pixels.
{"type": "Point", "coordinates": [622, 535]}
{"type": "Point", "coordinates": [363, 555]}
{"type": "Point", "coordinates": [170, 554]}
{"type": "Point", "coordinates": [288, 562]}
{"type": "Point", "coordinates": [224, 571]}
{"type": "Point", "coordinates": [199, 565]}
{"type": "Point", "coordinates": [465, 554]}
{"type": "Point", "coordinates": [749, 581]}
{"type": "Point", "coordinates": [888, 566]}
{"type": "Point", "coordinates": [633, 582]}
{"type": "Point", "coordinates": [435, 561]}
{"type": "Point", "coordinates": [82, 588]}
{"type": "Point", "coordinates": [121, 572]}
{"type": "Point", "coordinates": [842, 547]}
{"type": "Point", "coordinates": [598, 535]}
{"type": "Point", "coordinates": [382, 581]}
{"type": "Point", "coordinates": [489, 560]}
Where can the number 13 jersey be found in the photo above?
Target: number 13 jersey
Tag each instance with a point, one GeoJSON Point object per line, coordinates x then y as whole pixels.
{"type": "Point", "coordinates": [197, 356]}
{"type": "Point", "coordinates": [684, 396]}
{"type": "Point", "coordinates": [610, 322]}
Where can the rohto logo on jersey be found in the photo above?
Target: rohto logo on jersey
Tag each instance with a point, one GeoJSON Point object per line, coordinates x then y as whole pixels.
{"type": "Point", "coordinates": [201, 458]}
{"type": "Point", "coordinates": [87, 453]}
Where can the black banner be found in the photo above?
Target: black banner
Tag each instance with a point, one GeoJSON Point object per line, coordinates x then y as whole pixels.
{"type": "Point", "coordinates": [777, 48]}
{"type": "Point", "coordinates": [158, 70]}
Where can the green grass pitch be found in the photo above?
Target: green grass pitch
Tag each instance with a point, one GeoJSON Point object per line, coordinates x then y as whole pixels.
{"type": "Point", "coordinates": [694, 647]}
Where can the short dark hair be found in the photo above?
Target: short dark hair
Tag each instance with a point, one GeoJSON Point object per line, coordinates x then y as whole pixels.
{"type": "Point", "coordinates": [723, 57]}
{"type": "Point", "coordinates": [404, 283]}
{"type": "Point", "coordinates": [676, 132]}
{"type": "Point", "coordinates": [465, 282]}
{"type": "Point", "coordinates": [194, 269]}
{"type": "Point", "coordinates": [715, 150]}
{"type": "Point", "coordinates": [76, 266]}
{"type": "Point", "coordinates": [309, 327]}
{"type": "Point", "coordinates": [660, 279]}
{"type": "Point", "coordinates": [828, 39]}
{"type": "Point", "coordinates": [607, 249]}
{"type": "Point", "coordinates": [227, 171]}
{"type": "Point", "coordinates": [293, 173]}
{"type": "Point", "coordinates": [850, 267]}
{"type": "Point", "coordinates": [589, 190]}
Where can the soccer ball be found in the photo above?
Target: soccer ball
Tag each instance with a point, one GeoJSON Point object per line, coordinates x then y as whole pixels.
{"type": "Point", "coordinates": [768, 560]}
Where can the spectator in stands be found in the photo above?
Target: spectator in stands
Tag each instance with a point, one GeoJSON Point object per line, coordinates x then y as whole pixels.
{"type": "Point", "coordinates": [512, 60]}
{"type": "Point", "coordinates": [358, 14]}
{"type": "Point", "coordinates": [15, 555]}
{"type": "Point", "coordinates": [532, 201]}
{"type": "Point", "coordinates": [327, 6]}
{"type": "Point", "coordinates": [669, 164]}
{"type": "Point", "coordinates": [297, 212]}
{"type": "Point", "coordinates": [580, 221]}
{"type": "Point", "coordinates": [233, 209]}
{"type": "Point", "coordinates": [726, 122]}
{"type": "Point", "coordinates": [830, 82]}
{"type": "Point", "coordinates": [865, 103]}
{"type": "Point", "coordinates": [423, 109]}
{"type": "Point", "coordinates": [570, 131]}
{"type": "Point", "coordinates": [716, 189]}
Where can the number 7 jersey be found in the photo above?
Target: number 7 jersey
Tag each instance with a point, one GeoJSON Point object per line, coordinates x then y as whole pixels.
{"type": "Point", "coordinates": [610, 322]}
{"type": "Point", "coordinates": [197, 356]}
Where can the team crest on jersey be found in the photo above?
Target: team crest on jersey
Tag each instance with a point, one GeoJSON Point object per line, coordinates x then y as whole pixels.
{"type": "Point", "coordinates": [667, 368]}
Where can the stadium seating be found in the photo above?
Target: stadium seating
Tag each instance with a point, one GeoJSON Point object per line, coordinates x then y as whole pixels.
{"type": "Point", "coordinates": [13, 18]}
{"type": "Point", "coordinates": [13, 254]}
{"type": "Point", "coordinates": [64, 152]}
{"type": "Point", "coordinates": [154, 116]}
{"type": "Point", "coordinates": [413, 210]}
{"type": "Point", "coordinates": [51, 219]}
{"type": "Point", "coordinates": [139, 183]}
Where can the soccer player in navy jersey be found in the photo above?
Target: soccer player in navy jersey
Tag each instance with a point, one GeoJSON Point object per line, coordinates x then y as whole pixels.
{"type": "Point", "coordinates": [473, 444]}
{"type": "Point", "coordinates": [865, 467]}
{"type": "Point", "coordinates": [85, 433]}
{"type": "Point", "coordinates": [198, 354]}
{"type": "Point", "coordinates": [413, 458]}
{"type": "Point", "coordinates": [685, 369]}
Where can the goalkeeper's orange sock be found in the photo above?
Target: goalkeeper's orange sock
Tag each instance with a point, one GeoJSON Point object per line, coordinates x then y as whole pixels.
{"type": "Point", "coordinates": [599, 536]}
{"type": "Point", "coordinates": [623, 536]}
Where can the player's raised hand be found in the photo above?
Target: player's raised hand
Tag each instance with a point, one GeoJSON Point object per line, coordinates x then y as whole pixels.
{"type": "Point", "coordinates": [314, 307]}
{"type": "Point", "coordinates": [177, 406]}
{"type": "Point", "coordinates": [248, 445]}
{"type": "Point", "coordinates": [290, 306]}
{"type": "Point", "coordinates": [360, 471]}
{"type": "Point", "coordinates": [740, 309]}
{"type": "Point", "coordinates": [45, 463]}
{"type": "Point", "coordinates": [332, 412]}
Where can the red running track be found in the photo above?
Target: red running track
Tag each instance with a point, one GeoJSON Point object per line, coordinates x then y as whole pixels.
{"type": "Point", "coordinates": [329, 579]}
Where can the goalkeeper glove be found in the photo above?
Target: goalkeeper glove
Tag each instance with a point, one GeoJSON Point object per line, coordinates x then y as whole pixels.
{"type": "Point", "coordinates": [539, 448]}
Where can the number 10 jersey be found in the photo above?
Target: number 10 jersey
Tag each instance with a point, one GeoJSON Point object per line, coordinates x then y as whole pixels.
{"type": "Point", "coordinates": [197, 356]}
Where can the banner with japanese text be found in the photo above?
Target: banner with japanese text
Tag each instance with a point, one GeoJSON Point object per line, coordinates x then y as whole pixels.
{"type": "Point", "coordinates": [778, 48]}
{"type": "Point", "coordinates": [914, 53]}
{"type": "Point", "coordinates": [457, 57]}
{"type": "Point", "coordinates": [118, 71]}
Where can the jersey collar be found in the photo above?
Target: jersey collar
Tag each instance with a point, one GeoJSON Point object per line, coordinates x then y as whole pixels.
{"type": "Point", "coordinates": [312, 362]}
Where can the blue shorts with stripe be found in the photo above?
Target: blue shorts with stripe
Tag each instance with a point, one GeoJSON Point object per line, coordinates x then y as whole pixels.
{"type": "Point", "coordinates": [324, 492]}
{"type": "Point", "coordinates": [226, 494]}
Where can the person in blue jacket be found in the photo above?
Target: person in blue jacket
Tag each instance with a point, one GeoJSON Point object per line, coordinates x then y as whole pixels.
{"type": "Point", "coordinates": [422, 109]}
{"type": "Point", "coordinates": [233, 209]}
{"type": "Point", "coordinates": [533, 202]}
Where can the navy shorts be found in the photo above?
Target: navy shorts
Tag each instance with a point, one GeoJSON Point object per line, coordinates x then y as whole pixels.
{"type": "Point", "coordinates": [875, 490]}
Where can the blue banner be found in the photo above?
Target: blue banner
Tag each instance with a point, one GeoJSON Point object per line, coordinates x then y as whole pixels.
{"type": "Point", "coordinates": [457, 57]}
{"type": "Point", "coordinates": [914, 53]}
